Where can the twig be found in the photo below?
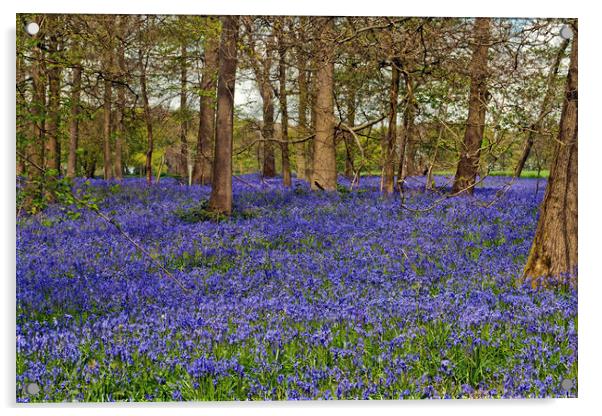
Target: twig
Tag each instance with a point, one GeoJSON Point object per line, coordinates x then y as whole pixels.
{"type": "Point", "coordinates": [113, 222]}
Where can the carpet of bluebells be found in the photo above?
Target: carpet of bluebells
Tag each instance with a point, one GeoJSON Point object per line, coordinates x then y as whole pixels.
{"type": "Point", "coordinates": [300, 295]}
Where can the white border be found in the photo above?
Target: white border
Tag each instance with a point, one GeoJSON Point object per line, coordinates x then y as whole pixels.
{"type": "Point", "coordinates": [590, 288]}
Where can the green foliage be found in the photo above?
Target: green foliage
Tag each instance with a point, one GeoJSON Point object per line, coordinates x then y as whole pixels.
{"type": "Point", "coordinates": [199, 213]}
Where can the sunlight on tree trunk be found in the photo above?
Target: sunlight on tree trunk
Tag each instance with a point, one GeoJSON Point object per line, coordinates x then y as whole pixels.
{"type": "Point", "coordinates": [221, 186]}
{"type": "Point", "coordinates": [470, 150]}
{"type": "Point", "coordinates": [324, 175]}
{"type": "Point", "coordinates": [554, 249]}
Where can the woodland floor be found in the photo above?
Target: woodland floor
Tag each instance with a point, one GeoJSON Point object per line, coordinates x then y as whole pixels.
{"type": "Point", "coordinates": [299, 295]}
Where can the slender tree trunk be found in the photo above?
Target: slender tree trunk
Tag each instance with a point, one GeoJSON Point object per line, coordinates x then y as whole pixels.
{"type": "Point", "coordinates": [389, 148]}
{"type": "Point", "coordinates": [537, 126]}
{"type": "Point", "coordinates": [554, 249]}
{"type": "Point", "coordinates": [309, 172]}
{"type": "Point", "coordinates": [468, 165]}
{"type": "Point", "coordinates": [407, 135]}
{"type": "Point", "coordinates": [148, 119]}
{"type": "Point", "coordinates": [286, 167]}
{"type": "Point", "coordinates": [300, 152]}
{"type": "Point", "coordinates": [203, 165]}
{"type": "Point", "coordinates": [324, 167]}
{"type": "Point", "coordinates": [267, 130]}
{"type": "Point", "coordinates": [221, 186]}
{"type": "Point", "coordinates": [411, 136]}
{"type": "Point", "coordinates": [183, 157]}
{"type": "Point", "coordinates": [74, 122]}
{"type": "Point", "coordinates": [121, 127]}
{"type": "Point", "coordinates": [53, 156]}
{"type": "Point", "coordinates": [108, 94]}
{"type": "Point", "coordinates": [347, 138]}
{"type": "Point", "coordinates": [34, 187]}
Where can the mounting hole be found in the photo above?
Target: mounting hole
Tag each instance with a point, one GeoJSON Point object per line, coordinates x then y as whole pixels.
{"type": "Point", "coordinates": [32, 28]}
{"type": "Point", "coordinates": [32, 389]}
{"type": "Point", "coordinates": [566, 32]}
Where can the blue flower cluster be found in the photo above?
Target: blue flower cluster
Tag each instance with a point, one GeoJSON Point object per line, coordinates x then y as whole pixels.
{"type": "Point", "coordinates": [300, 295]}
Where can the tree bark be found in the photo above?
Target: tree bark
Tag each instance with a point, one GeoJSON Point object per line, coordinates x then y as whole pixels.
{"type": "Point", "coordinates": [324, 175]}
{"type": "Point", "coordinates": [554, 249]}
{"type": "Point", "coordinates": [108, 94]}
{"type": "Point", "coordinates": [34, 187]}
{"type": "Point", "coordinates": [147, 117]}
{"type": "Point", "coordinates": [53, 156]}
{"type": "Point", "coordinates": [74, 122]}
{"type": "Point", "coordinates": [408, 133]}
{"type": "Point", "coordinates": [389, 148]}
{"type": "Point", "coordinates": [347, 137]}
{"type": "Point", "coordinates": [536, 128]}
{"type": "Point", "coordinates": [203, 165]}
{"type": "Point", "coordinates": [183, 157]}
{"type": "Point", "coordinates": [282, 95]}
{"type": "Point", "coordinates": [300, 148]}
{"type": "Point", "coordinates": [468, 164]}
{"type": "Point", "coordinates": [267, 131]}
{"type": "Point", "coordinates": [121, 127]}
{"type": "Point", "coordinates": [221, 187]}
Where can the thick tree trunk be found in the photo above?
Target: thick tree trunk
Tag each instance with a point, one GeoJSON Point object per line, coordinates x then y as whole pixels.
{"type": "Point", "coordinates": [221, 186]}
{"type": "Point", "coordinates": [389, 145]}
{"type": "Point", "coordinates": [183, 156]}
{"type": "Point", "coordinates": [74, 122]}
{"type": "Point", "coordinates": [203, 165]}
{"type": "Point", "coordinates": [468, 164]}
{"type": "Point", "coordinates": [536, 128]}
{"type": "Point", "coordinates": [554, 249]}
{"type": "Point", "coordinates": [286, 167]}
{"type": "Point", "coordinates": [324, 175]}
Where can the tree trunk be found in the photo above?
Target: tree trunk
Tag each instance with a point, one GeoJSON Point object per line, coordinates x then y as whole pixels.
{"type": "Point", "coordinates": [203, 165]}
{"type": "Point", "coordinates": [324, 167]}
{"type": "Point", "coordinates": [389, 148]}
{"type": "Point", "coordinates": [537, 126]}
{"type": "Point", "coordinates": [407, 165]}
{"type": "Point", "coordinates": [53, 156]}
{"type": "Point", "coordinates": [286, 167]}
{"type": "Point", "coordinates": [34, 187]}
{"type": "Point", "coordinates": [300, 148]}
{"type": "Point", "coordinates": [468, 164]}
{"type": "Point", "coordinates": [347, 137]}
{"type": "Point", "coordinates": [221, 186]}
{"type": "Point", "coordinates": [148, 166]}
{"type": "Point", "coordinates": [121, 128]}
{"type": "Point", "coordinates": [407, 135]}
{"type": "Point", "coordinates": [183, 157]}
{"type": "Point", "coordinates": [74, 122]}
{"type": "Point", "coordinates": [108, 93]}
{"type": "Point", "coordinates": [267, 131]}
{"type": "Point", "coordinates": [554, 249]}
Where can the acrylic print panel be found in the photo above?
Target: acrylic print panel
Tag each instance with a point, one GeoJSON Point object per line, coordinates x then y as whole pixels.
{"type": "Point", "coordinates": [278, 208]}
